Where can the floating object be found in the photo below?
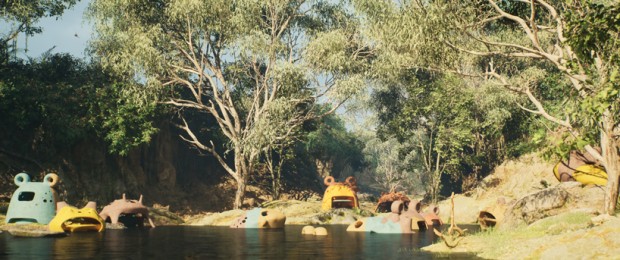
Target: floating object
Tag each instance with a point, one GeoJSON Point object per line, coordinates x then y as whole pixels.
{"type": "Point", "coordinates": [581, 167]}
{"type": "Point", "coordinates": [340, 195]}
{"type": "Point", "coordinates": [307, 230]}
{"type": "Point", "coordinates": [310, 230]}
{"type": "Point", "coordinates": [260, 218]}
{"type": "Point", "coordinates": [33, 202]}
{"type": "Point", "coordinates": [123, 209]}
{"type": "Point", "coordinates": [320, 231]}
{"type": "Point", "coordinates": [397, 221]}
{"type": "Point", "coordinates": [72, 219]}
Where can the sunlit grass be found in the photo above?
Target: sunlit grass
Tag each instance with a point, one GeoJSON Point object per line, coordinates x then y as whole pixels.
{"type": "Point", "coordinates": [498, 241]}
{"type": "Point", "coordinates": [562, 223]}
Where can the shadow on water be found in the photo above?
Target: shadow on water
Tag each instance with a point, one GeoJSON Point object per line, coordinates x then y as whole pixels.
{"type": "Point", "coordinates": [198, 242]}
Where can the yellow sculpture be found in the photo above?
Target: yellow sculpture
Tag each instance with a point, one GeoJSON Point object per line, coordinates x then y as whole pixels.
{"type": "Point", "coordinates": [340, 195]}
{"type": "Point", "coordinates": [72, 219]}
{"type": "Point", "coordinates": [581, 167]}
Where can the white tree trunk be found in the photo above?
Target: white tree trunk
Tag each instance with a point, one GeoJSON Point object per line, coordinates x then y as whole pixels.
{"type": "Point", "coordinates": [611, 162]}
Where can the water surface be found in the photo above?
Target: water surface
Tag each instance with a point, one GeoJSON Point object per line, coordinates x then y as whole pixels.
{"type": "Point", "coordinates": [207, 242]}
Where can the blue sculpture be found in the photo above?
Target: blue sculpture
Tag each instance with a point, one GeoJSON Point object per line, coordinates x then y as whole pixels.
{"type": "Point", "coordinates": [33, 202]}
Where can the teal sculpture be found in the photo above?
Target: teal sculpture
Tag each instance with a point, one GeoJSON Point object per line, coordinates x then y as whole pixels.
{"type": "Point", "coordinates": [33, 202]}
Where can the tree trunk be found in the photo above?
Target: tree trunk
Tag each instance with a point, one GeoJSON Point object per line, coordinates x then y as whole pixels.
{"type": "Point", "coordinates": [276, 187]}
{"type": "Point", "coordinates": [242, 173]}
{"type": "Point", "coordinates": [240, 193]}
{"type": "Point", "coordinates": [612, 163]}
{"type": "Point", "coordinates": [435, 188]}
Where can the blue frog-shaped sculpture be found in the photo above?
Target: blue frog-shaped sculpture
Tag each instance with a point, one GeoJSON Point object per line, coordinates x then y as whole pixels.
{"type": "Point", "coordinates": [33, 202]}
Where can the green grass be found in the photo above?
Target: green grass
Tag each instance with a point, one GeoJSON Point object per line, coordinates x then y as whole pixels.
{"type": "Point", "coordinates": [562, 223]}
{"type": "Point", "coordinates": [497, 241]}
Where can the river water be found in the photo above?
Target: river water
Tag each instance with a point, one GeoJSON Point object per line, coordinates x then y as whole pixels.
{"type": "Point", "coordinates": [208, 242]}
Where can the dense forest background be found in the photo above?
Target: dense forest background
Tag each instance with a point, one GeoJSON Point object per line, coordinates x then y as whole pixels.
{"type": "Point", "coordinates": [210, 106]}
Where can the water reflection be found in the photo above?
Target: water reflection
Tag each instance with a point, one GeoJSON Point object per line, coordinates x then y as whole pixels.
{"type": "Point", "coordinates": [190, 242]}
{"type": "Point", "coordinates": [26, 248]}
{"type": "Point", "coordinates": [85, 245]}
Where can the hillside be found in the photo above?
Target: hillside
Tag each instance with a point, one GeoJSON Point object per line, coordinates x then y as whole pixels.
{"type": "Point", "coordinates": [543, 228]}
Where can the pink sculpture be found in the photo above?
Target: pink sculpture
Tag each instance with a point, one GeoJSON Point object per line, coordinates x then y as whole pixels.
{"type": "Point", "coordinates": [125, 207]}
{"type": "Point", "coordinates": [432, 217]}
{"type": "Point", "coordinates": [398, 220]}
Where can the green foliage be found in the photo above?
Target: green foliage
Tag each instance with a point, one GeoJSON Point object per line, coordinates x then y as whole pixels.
{"type": "Point", "coordinates": [593, 27]}
{"type": "Point", "coordinates": [48, 104]}
{"type": "Point", "coordinates": [121, 122]}
{"type": "Point", "coordinates": [392, 166]}
{"type": "Point", "coordinates": [593, 31]}
{"type": "Point", "coordinates": [474, 41]}
{"type": "Point", "coordinates": [328, 140]}
{"type": "Point", "coordinates": [21, 16]}
{"type": "Point", "coordinates": [467, 123]}
{"type": "Point", "coordinates": [254, 66]}
{"type": "Point", "coordinates": [45, 101]}
{"type": "Point", "coordinates": [51, 102]}
{"type": "Point", "coordinates": [27, 13]}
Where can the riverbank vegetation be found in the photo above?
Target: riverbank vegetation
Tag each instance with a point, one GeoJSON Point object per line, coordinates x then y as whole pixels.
{"type": "Point", "coordinates": [214, 105]}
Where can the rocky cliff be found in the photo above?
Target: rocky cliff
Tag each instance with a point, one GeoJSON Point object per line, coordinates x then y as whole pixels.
{"type": "Point", "coordinates": [166, 171]}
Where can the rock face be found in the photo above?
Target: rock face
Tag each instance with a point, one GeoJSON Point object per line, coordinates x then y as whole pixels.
{"type": "Point", "coordinates": [564, 197]}
{"type": "Point", "coordinates": [536, 206]}
{"type": "Point", "coordinates": [166, 171]}
{"type": "Point", "coordinates": [521, 192]}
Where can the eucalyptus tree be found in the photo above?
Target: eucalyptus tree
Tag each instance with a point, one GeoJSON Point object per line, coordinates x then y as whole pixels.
{"type": "Point", "coordinates": [256, 68]}
{"type": "Point", "coordinates": [333, 148]}
{"type": "Point", "coordinates": [517, 45]}
{"type": "Point", "coordinates": [390, 170]}
{"type": "Point", "coordinates": [22, 17]}
{"type": "Point", "coordinates": [450, 126]}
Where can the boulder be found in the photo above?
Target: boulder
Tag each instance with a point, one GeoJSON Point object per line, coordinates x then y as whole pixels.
{"type": "Point", "coordinates": [551, 201]}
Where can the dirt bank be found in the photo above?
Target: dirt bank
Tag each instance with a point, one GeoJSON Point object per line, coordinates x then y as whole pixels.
{"type": "Point", "coordinates": [575, 230]}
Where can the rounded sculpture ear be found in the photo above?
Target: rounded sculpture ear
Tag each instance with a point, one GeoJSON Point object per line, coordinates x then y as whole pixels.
{"type": "Point", "coordinates": [397, 206]}
{"type": "Point", "coordinates": [351, 180]}
{"type": "Point", "coordinates": [415, 205]}
{"type": "Point", "coordinates": [329, 180]}
{"type": "Point", "coordinates": [60, 205]}
{"type": "Point", "coordinates": [21, 178]}
{"type": "Point", "coordinates": [91, 205]}
{"type": "Point", "coordinates": [51, 178]}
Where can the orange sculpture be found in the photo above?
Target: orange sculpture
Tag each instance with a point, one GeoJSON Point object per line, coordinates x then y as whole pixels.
{"type": "Point", "coordinates": [340, 195]}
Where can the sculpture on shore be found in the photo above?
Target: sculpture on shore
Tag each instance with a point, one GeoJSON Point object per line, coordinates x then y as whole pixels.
{"type": "Point", "coordinates": [72, 219]}
{"type": "Point", "coordinates": [33, 202]}
{"type": "Point", "coordinates": [581, 167]}
{"type": "Point", "coordinates": [126, 210]}
{"type": "Point", "coordinates": [340, 194]}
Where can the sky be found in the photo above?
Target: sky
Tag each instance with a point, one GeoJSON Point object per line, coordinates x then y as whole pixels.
{"type": "Point", "coordinates": [66, 34]}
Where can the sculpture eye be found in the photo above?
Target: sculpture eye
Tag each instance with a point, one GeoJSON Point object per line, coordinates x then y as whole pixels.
{"type": "Point", "coordinates": [264, 213]}
{"type": "Point", "coordinates": [25, 196]}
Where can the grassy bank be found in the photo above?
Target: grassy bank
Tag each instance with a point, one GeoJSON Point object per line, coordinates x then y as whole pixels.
{"type": "Point", "coordinates": [572, 235]}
